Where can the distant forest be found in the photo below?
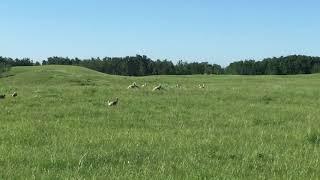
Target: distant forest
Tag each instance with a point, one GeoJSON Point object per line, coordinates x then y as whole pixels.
{"type": "Point", "coordinates": [142, 65]}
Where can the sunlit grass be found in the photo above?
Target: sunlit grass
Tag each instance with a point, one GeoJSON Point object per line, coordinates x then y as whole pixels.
{"type": "Point", "coordinates": [238, 127]}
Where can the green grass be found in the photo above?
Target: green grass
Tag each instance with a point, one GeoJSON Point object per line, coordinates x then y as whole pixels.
{"type": "Point", "coordinates": [238, 127]}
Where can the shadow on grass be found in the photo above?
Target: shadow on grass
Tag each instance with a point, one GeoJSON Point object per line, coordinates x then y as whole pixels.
{"type": "Point", "coordinates": [313, 138]}
{"type": "Point", "coordinates": [6, 75]}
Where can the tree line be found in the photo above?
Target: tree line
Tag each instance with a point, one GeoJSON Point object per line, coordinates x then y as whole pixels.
{"type": "Point", "coordinates": [7, 63]}
{"type": "Point", "coordinates": [294, 64]}
{"type": "Point", "coordinates": [138, 66]}
{"type": "Point", "coordinates": [142, 65]}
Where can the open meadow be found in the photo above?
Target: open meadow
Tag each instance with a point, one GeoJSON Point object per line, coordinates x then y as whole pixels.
{"type": "Point", "coordinates": [237, 127]}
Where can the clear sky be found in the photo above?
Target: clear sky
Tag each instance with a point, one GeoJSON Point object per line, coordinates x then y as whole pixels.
{"type": "Point", "coordinates": [217, 31]}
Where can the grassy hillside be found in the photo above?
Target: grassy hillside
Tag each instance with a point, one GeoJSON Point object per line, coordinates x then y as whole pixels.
{"type": "Point", "coordinates": [238, 127]}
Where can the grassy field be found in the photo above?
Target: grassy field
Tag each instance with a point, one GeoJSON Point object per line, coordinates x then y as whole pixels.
{"type": "Point", "coordinates": [238, 127]}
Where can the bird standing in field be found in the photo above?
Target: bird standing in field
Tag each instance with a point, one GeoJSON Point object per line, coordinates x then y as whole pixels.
{"type": "Point", "coordinates": [113, 103]}
{"type": "Point", "coordinates": [201, 86]}
{"type": "Point", "coordinates": [133, 85]}
{"type": "Point", "coordinates": [15, 94]}
{"type": "Point", "coordinates": [2, 96]}
{"type": "Point", "coordinates": [157, 87]}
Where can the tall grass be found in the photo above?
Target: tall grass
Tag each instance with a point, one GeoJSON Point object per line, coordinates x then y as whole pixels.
{"type": "Point", "coordinates": [238, 127]}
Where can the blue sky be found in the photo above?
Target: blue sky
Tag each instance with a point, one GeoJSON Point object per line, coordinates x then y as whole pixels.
{"type": "Point", "coordinates": [195, 30]}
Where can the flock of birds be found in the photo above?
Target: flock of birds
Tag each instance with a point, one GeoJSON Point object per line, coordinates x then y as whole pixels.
{"type": "Point", "coordinates": [2, 96]}
{"type": "Point", "coordinates": [115, 102]}
{"type": "Point", "coordinates": [134, 85]}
